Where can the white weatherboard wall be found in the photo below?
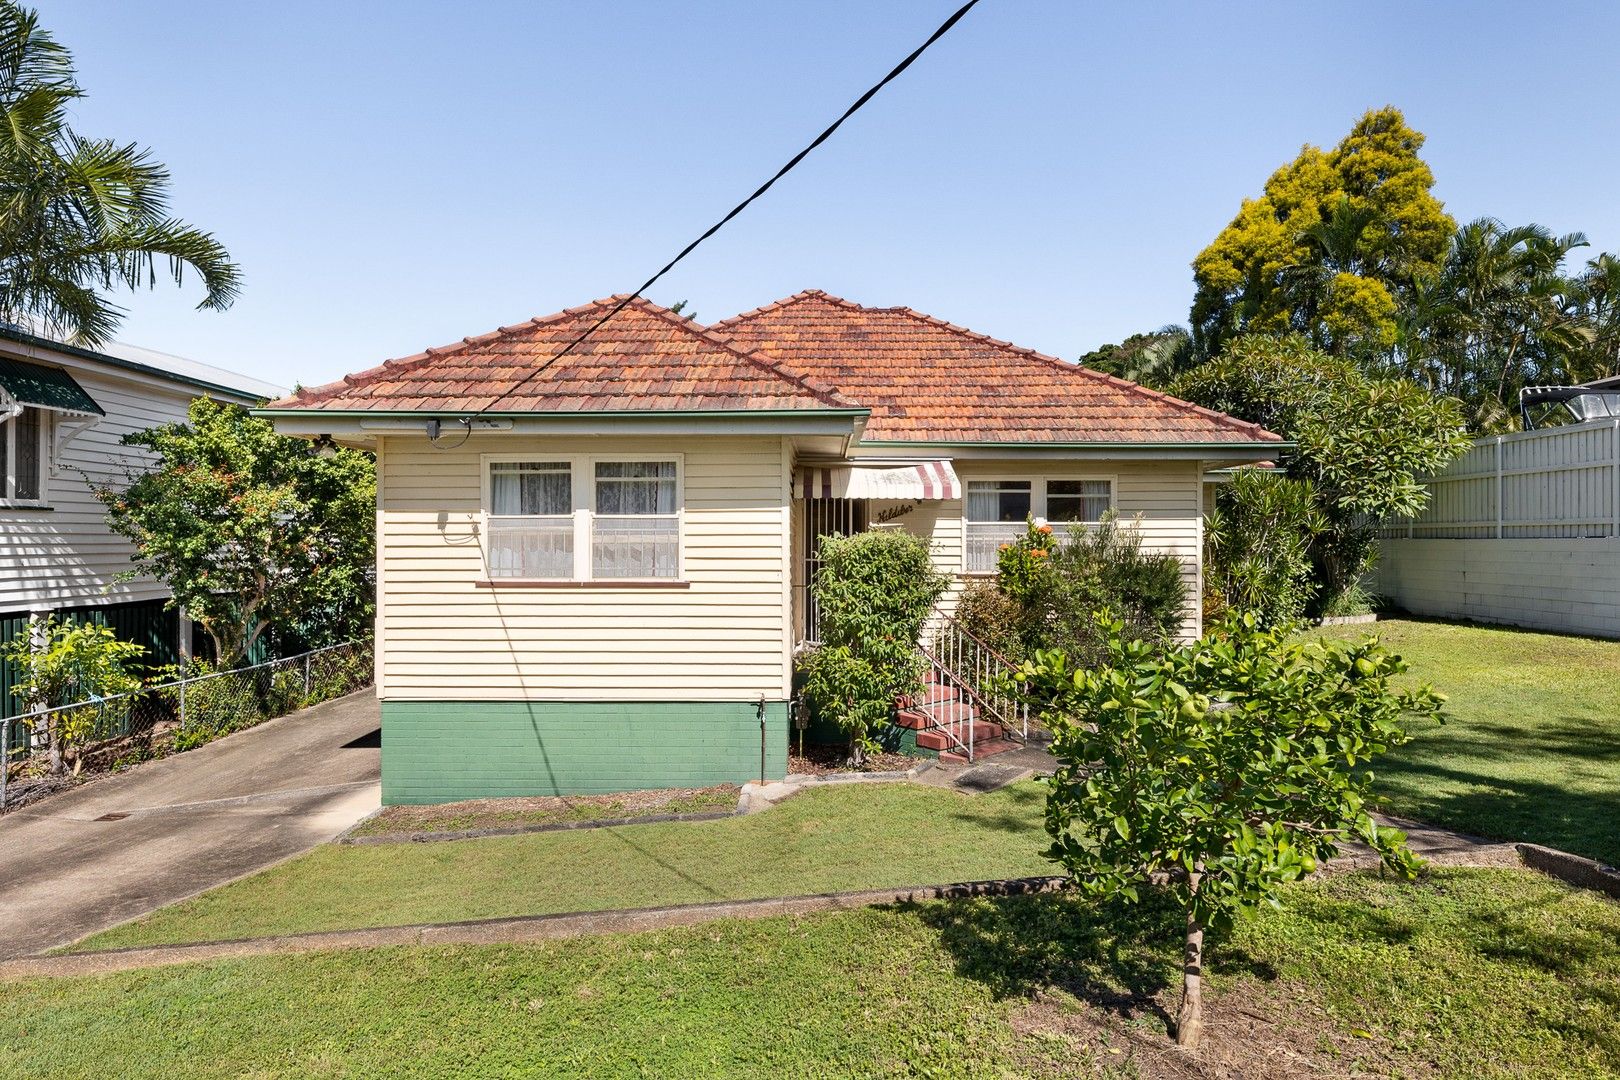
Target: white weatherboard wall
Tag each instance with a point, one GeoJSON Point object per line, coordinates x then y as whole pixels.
{"type": "Point", "coordinates": [725, 638]}
{"type": "Point", "coordinates": [1524, 529]}
{"type": "Point", "coordinates": [1161, 499]}
{"type": "Point", "coordinates": [66, 556]}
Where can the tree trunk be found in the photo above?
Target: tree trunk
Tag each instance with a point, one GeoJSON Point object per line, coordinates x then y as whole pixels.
{"type": "Point", "coordinates": [1190, 1020]}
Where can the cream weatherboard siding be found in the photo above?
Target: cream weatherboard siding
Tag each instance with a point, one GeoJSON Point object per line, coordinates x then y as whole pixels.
{"type": "Point", "coordinates": [66, 556]}
{"type": "Point", "coordinates": [1162, 499]}
{"type": "Point", "coordinates": [443, 637]}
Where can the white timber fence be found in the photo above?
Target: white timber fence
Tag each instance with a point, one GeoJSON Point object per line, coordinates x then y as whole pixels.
{"type": "Point", "coordinates": [1523, 529]}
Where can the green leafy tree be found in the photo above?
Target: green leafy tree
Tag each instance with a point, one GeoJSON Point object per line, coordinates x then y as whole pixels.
{"type": "Point", "coordinates": [1153, 359]}
{"type": "Point", "coordinates": [874, 591]}
{"type": "Point", "coordinates": [80, 217]}
{"type": "Point", "coordinates": [1330, 247]}
{"type": "Point", "coordinates": [250, 529]}
{"type": "Point", "coordinates": [1501, 314]}
{"type": "Point", "coordinates": [1222, 769]}
{"type": "Point", "coordinates": [1364, 444]}
{"type": "Point", "coordinates": [63, 663]}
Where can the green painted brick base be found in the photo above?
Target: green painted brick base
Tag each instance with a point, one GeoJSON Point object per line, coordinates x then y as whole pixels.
{"type": "Point", "coordinates": [444, 751]}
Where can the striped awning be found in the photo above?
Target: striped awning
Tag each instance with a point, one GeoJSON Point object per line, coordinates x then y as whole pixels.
{"type": "Point", "coordinates": [924, 480]}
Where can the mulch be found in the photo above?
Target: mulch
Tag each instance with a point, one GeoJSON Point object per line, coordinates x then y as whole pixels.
{"type": "Point", "coordinates": [824, 760]}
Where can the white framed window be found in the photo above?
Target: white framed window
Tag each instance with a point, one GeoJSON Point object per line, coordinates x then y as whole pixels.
{"type": "Point", "coordinates": [996, 511]}
{"type": "Point", "coordinates": [530, 526]}
{"type": "Point", "coordinates": [635, 530]}
{"type": "Point", "coordinates": [24, 454]}
{"type": "Point", "coordinates": [579, 519]}
{"type": "Point", "coordinates": [1078, 501]}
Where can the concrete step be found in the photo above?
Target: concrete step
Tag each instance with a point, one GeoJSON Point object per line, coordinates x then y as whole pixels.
{"type": "Point", "coordinates": [980, 751]}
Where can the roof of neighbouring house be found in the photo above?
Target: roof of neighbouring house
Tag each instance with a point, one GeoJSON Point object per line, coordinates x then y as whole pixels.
{"type": "Point", "coordinates": [928, 381]}
{"type": "Point", "coordinates": [645, 358]}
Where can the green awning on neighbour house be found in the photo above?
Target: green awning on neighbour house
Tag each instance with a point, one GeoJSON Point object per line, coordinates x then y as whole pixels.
{"type": "Point", "coordinates": [45, 387]}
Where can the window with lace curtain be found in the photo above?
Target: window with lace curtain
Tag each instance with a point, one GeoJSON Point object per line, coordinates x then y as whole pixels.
{"type": "Point", "coordinates": [583, 519]}
{"type": "Point", "coordinates": [996, 512]}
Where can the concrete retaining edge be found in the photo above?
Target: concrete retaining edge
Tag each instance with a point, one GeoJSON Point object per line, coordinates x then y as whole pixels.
{"type": "Point", "coordinates": [1573, 869]}
{"type": "Point", "coordinates": [514, 930]}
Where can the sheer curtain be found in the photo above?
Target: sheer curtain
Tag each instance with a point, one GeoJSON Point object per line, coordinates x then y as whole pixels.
{"type": "Point", "coordinates": [531, 523]}
{"type": "Point", "coordinates": [635, 533]}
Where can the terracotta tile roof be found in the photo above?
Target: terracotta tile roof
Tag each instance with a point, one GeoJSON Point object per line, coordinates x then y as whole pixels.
{"type": "Point", "coordinates": [926, 380]}
{"type": "Point", "coordinates": [646, 358]}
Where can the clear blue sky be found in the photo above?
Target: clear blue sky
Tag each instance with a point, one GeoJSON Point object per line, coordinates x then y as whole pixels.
{"type": "Point", "coordinates": [397, 175]}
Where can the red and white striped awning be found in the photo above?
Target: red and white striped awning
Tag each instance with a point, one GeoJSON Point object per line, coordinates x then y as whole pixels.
{"type": "Point", "coordinates": [924, 480]}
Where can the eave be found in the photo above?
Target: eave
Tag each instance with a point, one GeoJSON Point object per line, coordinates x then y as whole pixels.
{"type": "Point", "coordinates": [362, 427]}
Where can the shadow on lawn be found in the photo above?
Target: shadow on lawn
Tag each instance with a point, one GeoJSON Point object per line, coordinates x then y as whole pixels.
{"type": "Point", "coordinates": [1111, 955]}
{"type": "Point", "coordinates": [1505, 807]}
{"type": "Point", "coordinates": [1014, 810]}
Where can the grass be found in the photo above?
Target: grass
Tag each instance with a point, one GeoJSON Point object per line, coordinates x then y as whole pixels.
{"type": "Point", "coordinates": [552, 810]}
{"type": "Point", "coordinates": [1532, 747]}
{"type": "Point", "coordinates": [847, 836]}
{"type": "Point", "coordinates": [1471, 973]}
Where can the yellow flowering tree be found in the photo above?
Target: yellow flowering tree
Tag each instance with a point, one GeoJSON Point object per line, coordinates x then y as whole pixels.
{"type": "Point", "coordinates": [1331, 245]}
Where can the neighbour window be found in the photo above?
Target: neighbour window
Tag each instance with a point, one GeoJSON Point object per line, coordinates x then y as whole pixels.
{"type": "Point", "coordinates": [996, 511]}
{"type": "Point", "coordinates": [636, 531]}
{"type": "Point", "coordinates": [625, 525]}
{"type": "Point", "coordinates": [531, 520]}
{"type": "Point", "coordinates": [23, 456]}
{"type": "Point", "coordinates": [1078, 500]}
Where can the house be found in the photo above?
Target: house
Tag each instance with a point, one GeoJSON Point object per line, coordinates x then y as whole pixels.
{"type": "Point", "coordinates": [62, 412]}
{"type": "Point", "coordinates": [592, 568]}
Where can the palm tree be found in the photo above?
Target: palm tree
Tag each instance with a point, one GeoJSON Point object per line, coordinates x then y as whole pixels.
{"type": "Point", "coordinates": [80, 217]}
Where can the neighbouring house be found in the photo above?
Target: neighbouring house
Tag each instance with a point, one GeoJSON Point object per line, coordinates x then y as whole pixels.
{"type": "Point", "coordinates": [63, 411]}
{"type": "Point", "coordinates": [592, 569]}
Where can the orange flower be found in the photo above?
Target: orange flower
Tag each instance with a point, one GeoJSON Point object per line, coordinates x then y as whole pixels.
{"type": "Point", "coordinates": [1039, 553]}
{"type": "Point", "coordinates": [1006, 547]}
{"type": "Point", "coordinates": [1045, 529]}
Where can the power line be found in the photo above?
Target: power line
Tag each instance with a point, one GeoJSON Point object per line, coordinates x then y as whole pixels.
{"type": "Point", "coordinates": [944, 28]}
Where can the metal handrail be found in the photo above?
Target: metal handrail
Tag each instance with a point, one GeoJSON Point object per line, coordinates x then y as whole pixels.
{"type": "Point", "coordinates": [973, 676]}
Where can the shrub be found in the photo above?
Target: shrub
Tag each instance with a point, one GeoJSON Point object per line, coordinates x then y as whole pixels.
{"type": "Point", "coordinates": [1257, 544]}
{"type": "Point", "coordinates": [73, 662]}
{"type": "Point", "coordinates": [1225, 768]}
{"type": "Point", "coordinates": [874, 591]}
{"type": "Point", "coordinates": [1056, 583]}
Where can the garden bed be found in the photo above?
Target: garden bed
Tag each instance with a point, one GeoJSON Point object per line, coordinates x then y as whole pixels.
{"type": "Point", "coordinates": [825, 760]}
{"type": "Point", "coordinates": [486, 816]}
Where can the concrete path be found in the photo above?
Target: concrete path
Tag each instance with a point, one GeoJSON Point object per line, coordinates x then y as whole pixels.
{"type": "Point", "coordinates": [120, 847]}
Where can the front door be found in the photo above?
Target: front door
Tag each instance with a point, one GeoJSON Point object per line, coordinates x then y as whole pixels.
{"type": "Point", "coordinates": [824, 517]}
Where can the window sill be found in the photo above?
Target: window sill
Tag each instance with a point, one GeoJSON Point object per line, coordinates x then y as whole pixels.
{"type": "Point", "coordinates": [603, 583]}
{"type": "Point", "coordinates": [25, 506]}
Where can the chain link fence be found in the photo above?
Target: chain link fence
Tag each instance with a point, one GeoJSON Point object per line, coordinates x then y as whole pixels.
{"type": "Point", "coordinates": [177, 715]}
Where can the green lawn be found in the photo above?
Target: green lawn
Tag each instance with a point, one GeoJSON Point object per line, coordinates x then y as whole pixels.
{"type": "Point", "coordinates": [1471, 973]}
{"type": "Point", "coordinates": [840, 836]}
{"type": "Point", "coordinates": [1532, 747]}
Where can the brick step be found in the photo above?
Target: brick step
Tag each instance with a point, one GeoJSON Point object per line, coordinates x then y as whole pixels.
{"type": "Point", "coordinates": [980, 751]}
{"type": "Point", "coordinates": [941, 738]}
{"type": "Point", "coordinates": [931, 692]}
{"type": "Point", "coordinates": [919, 719]}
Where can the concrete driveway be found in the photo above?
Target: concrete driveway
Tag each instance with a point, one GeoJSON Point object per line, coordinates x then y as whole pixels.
{"type": "Point", "coordinates": [120, 847]}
